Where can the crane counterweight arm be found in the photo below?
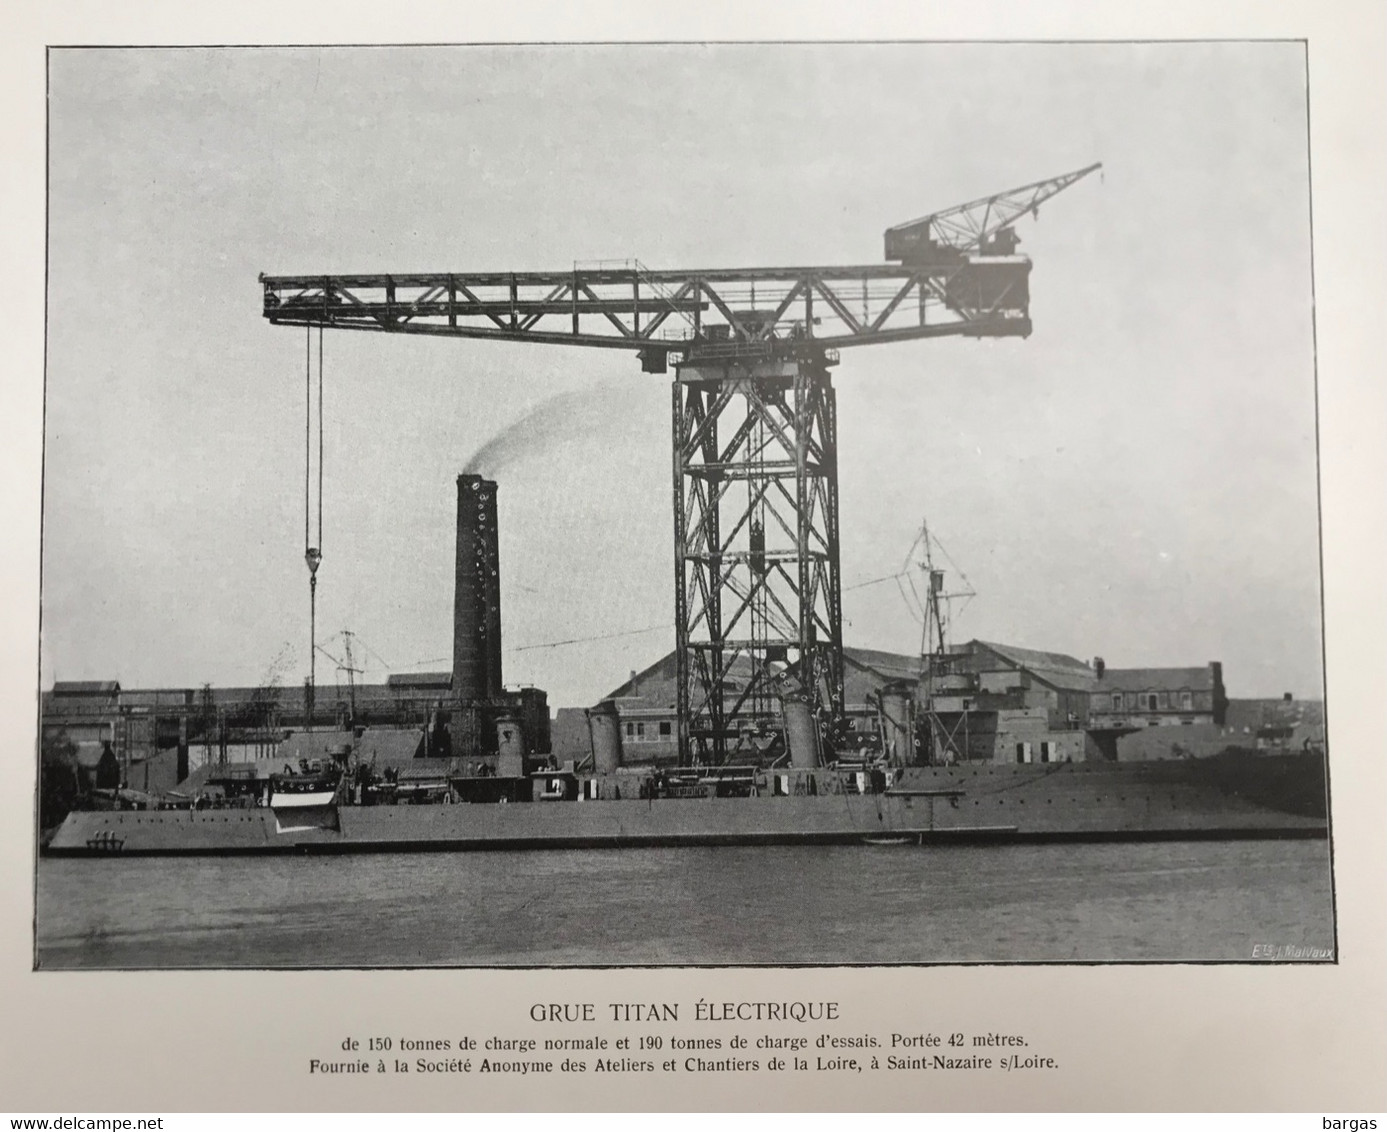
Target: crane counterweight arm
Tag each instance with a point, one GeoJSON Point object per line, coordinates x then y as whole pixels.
{"type": "Point", "coordinates": [979, 227]}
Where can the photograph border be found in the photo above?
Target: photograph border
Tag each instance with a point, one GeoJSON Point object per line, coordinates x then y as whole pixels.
{"type": "Point", "coordinates": [1358, 987]}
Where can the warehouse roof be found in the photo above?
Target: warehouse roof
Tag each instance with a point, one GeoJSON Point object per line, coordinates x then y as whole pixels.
{"type": "Point", "coordinates": [866, 669]}
{"type": "Point", "coordinates": [1054, 668]}
{"type": "Point", "coordinates": [425, 770]}
{"type": "Point", "coordinates": [313, 744]}
{"type": "Point", "coordinates": [420, 680]}
{"type": "Point", "coordinates": [86, 687]}
{"type": "Point", "coordinates": [892, 665]}
{"type": "Point", "coordinates": [387, 745]}
{"type": "Point", "coordinates": [1034, 658]}
{"type": "Point", "coordinates": [1156, 680]}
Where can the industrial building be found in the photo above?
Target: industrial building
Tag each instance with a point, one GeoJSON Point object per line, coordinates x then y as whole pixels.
{"type": "Point", "coordinates": [991, 703]}
{"type": "Point", "coordinates": [976, 702]}
{"type": "Point", "coordinates": [988, 702]}
{"type": "Point", "coordinates": [158, 736]}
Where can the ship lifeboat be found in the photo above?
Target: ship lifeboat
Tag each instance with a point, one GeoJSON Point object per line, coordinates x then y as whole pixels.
{"type": "Point", "coordinates": [292, 794]}
{"type": "Point", "coordinates": [305, 800]}
{"type": "Point", "coordinates": [306, 789]}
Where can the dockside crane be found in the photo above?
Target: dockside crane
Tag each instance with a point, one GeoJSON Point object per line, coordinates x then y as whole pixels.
{"type": "Point", "coordinates": [758, 600]}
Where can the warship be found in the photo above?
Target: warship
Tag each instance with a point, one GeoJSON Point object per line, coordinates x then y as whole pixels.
{"type": "Point", "coordinates": [1237, 794]}
{"type": "Point", "coordinates": [341, 803]}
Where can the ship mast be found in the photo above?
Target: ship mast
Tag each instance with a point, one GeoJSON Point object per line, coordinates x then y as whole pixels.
{"type": "Point", "coordinates": [348, 665]}
{"type": "Point", "coordinates": [937, 609]}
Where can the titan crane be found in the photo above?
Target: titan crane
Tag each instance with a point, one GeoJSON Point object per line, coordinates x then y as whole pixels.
{"type": "Point", "coordinates": [758, 601]}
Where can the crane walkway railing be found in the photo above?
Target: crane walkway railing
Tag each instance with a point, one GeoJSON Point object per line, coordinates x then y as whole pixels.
{"type": "Point", "coordinates": [644, 275]}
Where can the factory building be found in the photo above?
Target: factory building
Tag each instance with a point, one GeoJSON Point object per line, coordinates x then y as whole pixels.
{"type": "Point", "coordinates": [89, 708]}
{"type": "Point", "coordinates": [158, 736]}
{"type": "Point", "coordinates": [990, 702]}
{"type": "Point", "coordinates": [648, 722]}
{"type": "Point", "coordinates": [1002, 703]}
{"type": "Point", "coordinates": [191, 726]}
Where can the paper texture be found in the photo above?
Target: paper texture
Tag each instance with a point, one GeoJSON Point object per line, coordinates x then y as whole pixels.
{"type": "Point", "coordinates": [1053, 1036]}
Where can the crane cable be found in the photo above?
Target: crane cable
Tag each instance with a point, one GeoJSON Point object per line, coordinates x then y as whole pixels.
{"type": "Point", "coordinates": [308, 543]}
{"type": "Point", "coordinates": [320, 440]}
{"type": "Point", "coordinates": [307, 433]}
{"type": "Point", "coordinates": [312, 553]}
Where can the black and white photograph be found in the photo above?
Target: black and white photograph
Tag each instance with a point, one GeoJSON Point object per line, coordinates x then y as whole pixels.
{"type": "Point", "coordinates": [681, 505]}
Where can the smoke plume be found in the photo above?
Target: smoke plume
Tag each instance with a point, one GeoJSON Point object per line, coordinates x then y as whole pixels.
{"type": "Point", "coordinates": [564, 416]}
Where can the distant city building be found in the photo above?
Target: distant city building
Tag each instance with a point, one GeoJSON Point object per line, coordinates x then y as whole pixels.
{"type": "Point", "coordinates": [1157, 697]}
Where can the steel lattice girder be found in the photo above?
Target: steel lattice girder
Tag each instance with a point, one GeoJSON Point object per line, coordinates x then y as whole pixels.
{"type": "Point", "coordinates": [774, 312]}
{"type": "Point", "coordinates": [757, 596]}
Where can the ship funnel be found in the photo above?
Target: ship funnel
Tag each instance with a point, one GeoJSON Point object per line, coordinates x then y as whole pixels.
{"type": "Point", "coordinates": [604, 727]}
{"type": "Point", "coordinates": [510, 747]}
{"type": "Point", "coordinates": [477, 596]}
{"type": "Point", "coordinates": [801, 736]}
{"type": "Point", "coordinates": [897, 724]}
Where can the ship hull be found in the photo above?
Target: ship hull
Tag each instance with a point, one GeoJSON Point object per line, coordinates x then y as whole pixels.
{"type": "Point", "coordinates": [1255, 797]}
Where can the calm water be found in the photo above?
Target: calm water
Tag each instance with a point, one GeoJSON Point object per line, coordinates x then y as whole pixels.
{"type": "Point", "coordinates": [802, 904]}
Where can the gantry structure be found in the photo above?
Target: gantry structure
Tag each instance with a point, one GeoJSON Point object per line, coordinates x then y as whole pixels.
{"type": "Point", "coordinates": [757, 595]}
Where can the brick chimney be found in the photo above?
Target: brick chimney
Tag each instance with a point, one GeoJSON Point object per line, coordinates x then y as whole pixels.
{"type": "Point", "coordinates": [477, 594]}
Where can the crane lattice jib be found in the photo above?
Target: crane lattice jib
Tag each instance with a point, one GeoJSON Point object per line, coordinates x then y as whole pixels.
{"type": "Point", "coordinates": [979, 227]}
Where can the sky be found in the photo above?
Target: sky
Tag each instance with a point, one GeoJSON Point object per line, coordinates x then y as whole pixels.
{"type": "Point", "coordinates": [1137, 480]}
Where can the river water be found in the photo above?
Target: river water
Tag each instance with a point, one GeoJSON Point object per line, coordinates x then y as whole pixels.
{"type": "Point", "coordinates": [1171, 901]}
